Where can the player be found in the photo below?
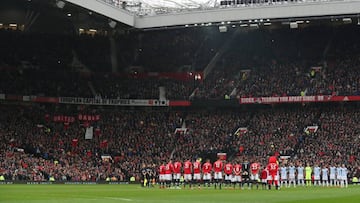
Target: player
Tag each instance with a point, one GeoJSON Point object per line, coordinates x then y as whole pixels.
{"type": "Point", "coordinates": [317, 172]}
{"type": "Point", "coordinates": [197, 172]}
{"type": "Point", "coordinates": [264, 177]}
{"type": "Point", "coordinates": [254, 176]}
{"type": "Point", "coordinates": [338, 177]}
{"type": "Point", "coordinates": [237, 175]}
{"type": "Point", "coordinates": [146, 172]}
{"type": "Point", "coordinates": [283, 175]}
{"type": "Point", "coordinates": [300, 175]}
{"type": "Point", "coordinates": [325, 176]}
{"type": "Point", "coordinates": [344, 180]}
{"type": "Point", "coordinates": [228, 170]}
{"type": "Point", "coordinates": [206, 169]}
{"type": "Point", "coordinates": [333, 176]}
{"type": "Point", "coordinates": [187, 173]}
{"type": "Point", "coordinates": [169, 167]}
{"type": "Point", "coordinates": [162, 175]}
{"type": "Point", "coordinates": [273, 169]}
{"type": "Point", "coordinates": [245, 176]}
{"type": "Point", "coordinates": [177, 173]}
{"type": "Point", "coordinates": [308, 172]}
{"type": "Point", "coordinates": [150, 176]}
{"type": "Point", "coordinates": [292, 171]}
{"type": "Point", "coordinates": [218, 177]}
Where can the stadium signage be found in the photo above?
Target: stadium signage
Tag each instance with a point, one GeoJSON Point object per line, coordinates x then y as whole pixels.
{"type": "Point", "coordinates": [164, 103]}
{"type": "Point", "coordinates": [286, 99]}
{"type": "Point", "coordinates": [112, 102]}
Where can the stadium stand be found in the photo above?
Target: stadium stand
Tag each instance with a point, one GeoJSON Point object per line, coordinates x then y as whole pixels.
{"type": "Point", "coordinates": [40, 141]}
{"type": "Point", "coordinates": [246, 70]}
{"type": "Point", "coordinates": [35, 147]}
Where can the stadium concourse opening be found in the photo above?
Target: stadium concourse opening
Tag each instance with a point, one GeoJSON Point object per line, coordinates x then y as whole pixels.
{"type": "Point", "coordinates": [158, 107]}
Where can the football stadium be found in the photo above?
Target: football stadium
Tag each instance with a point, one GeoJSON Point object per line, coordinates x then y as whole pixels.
{"type": "Point", "coordinates": [179, 101]}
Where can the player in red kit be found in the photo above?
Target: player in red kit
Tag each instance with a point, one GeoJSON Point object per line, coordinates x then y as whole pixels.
{"type": "Point", "coordinates": [168, 173]}
{"type": "Point", "coordinates": [237, 175]}
{"type": "Point", "coordinates": [264, 177]}
{"type": "Point", "coordinates": [228, 170]}
{"type": "Point", "coordinates": [273, 169]}
{"type": "Point", "coordinates": [162, 175]}
{"type": "Point", "coordinates": [206, 169]}
{"type": "Point", "coordinates": [187, 173]}
{"type": "Point", "coordinates": [197, 172]}
{"type": "Point", "coordinates": [254, 176]}
{"type": "Point", "coordinates": [218, 177]}
{"type": "Point", "coordinates": [177, 173]}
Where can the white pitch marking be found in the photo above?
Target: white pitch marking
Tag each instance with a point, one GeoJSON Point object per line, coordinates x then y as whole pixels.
{"type": "Point", "coordinates": [119, 198]}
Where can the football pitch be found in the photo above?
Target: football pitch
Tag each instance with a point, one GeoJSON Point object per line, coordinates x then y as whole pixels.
{"type": "Point", "coordinates": [134, 193]}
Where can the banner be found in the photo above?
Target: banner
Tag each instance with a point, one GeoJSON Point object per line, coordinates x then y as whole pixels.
{"type": "Point", "coordinates": [241, 131]}
{"type": "Point", "coordinates": [165, 103]}
{"type": "Point", "coordinates": [64, 119]}
{"type": "Point", "coordinates": [180, 130]}
{"type": "Point", "coordinates": [311, 129]}
{"type": "Point", "coordinates": [297, 99]}
{"type": "Point", "coordinates": [113, 102]}
{"type": "Point", "coordinates": [88, 117]}
{"type": "Point", "coordinates": [89, 133]}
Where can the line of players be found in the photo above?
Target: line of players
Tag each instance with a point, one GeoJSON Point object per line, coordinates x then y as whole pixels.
{"type": "Point", "coordinates": [325, 175]}
{"type": "Point", "coordinates": [220, 172]}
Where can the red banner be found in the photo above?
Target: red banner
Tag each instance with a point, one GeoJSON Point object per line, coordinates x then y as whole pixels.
{"type": "Point", "coordinates": [180, 103]}
{"type": "Point", "coordinates": [88, 117]}
{"type": "Point", "coordinates": [64, 119]}
{"type": "Point", "coordinates": [297, 99]}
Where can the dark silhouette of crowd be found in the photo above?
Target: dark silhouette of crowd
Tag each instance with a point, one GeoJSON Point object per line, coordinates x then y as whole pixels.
{"type": "Point", "coordinates": [287, 63]}
{"type": "Point", "coordinates": [309, 61]}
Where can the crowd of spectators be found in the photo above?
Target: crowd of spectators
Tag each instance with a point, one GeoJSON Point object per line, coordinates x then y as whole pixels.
{"type": "Point", "coordinates": [311, 61]}
{"type": "Point", "coordinates": [44, 83]}
{"type": "Point", "coordinates": [77, 84]}
{"type": "Point", "coordinates": [108, 86]}
{"type": "Point", "coordinates": [34, 147]}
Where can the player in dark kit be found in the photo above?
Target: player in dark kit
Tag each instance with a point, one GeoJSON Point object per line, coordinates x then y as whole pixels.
{"type": "Point", "coordinates": [143, 180]}
{"type": "Point", "coordinates": [245, 173]}
{"type": "Point", "coordinates": [147, 176]}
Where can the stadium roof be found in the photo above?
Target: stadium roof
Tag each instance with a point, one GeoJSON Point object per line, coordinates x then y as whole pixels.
{"type": "Point", "coordinates": [145, 14]}
{"type": "Point", "coordinates": [152, 7]}
{"type": "Point", "coordinates": [187, 4]}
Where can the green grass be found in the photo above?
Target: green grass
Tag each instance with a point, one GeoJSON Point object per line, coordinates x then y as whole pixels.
{"type": "Point", "coordinates": [134, 193]}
